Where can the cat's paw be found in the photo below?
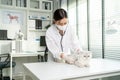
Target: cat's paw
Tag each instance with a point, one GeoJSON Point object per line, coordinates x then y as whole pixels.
{"type": "Point", "coordinates": [69, 62]}
{"type": "Point", "coordinates": [69, 59]}
{"type": "Point", "coordinates": [59, 60]}
{"type": "Point", "coordinates": [87, 65]}
{"type": "Point", "coordinates": [79, 64]}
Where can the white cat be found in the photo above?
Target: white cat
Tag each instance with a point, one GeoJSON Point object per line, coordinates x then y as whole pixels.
{"type": "Point", "coordinates": [81, 59]}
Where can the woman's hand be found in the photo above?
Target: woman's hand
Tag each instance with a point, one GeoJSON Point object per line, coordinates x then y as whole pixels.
{"type": "Point", "coordinates": [62, 55]}
{"type": "Point", "coordinates": [69, 59]}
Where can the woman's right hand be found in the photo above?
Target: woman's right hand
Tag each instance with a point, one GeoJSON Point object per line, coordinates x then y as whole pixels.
{"type": "Point", "coordinates": [62, 55]}
{"type": "Point", "coordinates": [69, 59]}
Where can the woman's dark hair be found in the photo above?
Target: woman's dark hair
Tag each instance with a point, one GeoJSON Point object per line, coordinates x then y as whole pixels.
{"type": "Point", "coordinates": [59, 14]}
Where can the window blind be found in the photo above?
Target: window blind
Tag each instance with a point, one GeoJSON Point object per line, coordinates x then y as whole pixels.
{"type": "Point", "coordinates": [112, 29]}
{"type": "Point", "coordinates": [95, 27]}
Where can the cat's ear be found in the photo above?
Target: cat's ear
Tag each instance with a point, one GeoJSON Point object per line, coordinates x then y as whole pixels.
{"type": "Point", "coordinates": [90, 52]}
{"type": "Point", "coordinates": [82, 52]}
{"type": "Point", "coordinates": [78, 51]}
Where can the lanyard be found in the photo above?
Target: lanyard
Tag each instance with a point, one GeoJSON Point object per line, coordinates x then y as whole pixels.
{"type": "Point", "coordinates": [61, 43]}
{"type": "Point", "coordinates": [61, 37]}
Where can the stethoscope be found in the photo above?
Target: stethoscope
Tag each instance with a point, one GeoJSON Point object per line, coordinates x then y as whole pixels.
{"type": "Point", "coordinates": [62, 37]}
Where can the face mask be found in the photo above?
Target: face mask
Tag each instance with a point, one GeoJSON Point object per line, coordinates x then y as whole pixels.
{"type": "Point", "coordinates": [61, 27]}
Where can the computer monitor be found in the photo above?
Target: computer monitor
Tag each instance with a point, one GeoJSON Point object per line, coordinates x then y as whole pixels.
{"type": "Point", "coordinates": [3, 34]}
{"type": "Point", "coordinates": [42, 41]}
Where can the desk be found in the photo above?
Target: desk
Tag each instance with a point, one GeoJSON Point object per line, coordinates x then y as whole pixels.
{"type": "Point", "coordinates": [23, 54]}
{"type": "Point", "coordinates": [59, 71]}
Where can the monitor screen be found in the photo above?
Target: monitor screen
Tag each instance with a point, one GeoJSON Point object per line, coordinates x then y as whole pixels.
{"type": "Point", "coordinates": [42, 41]}
{"type": "Point", "coordinates": [3, 34]}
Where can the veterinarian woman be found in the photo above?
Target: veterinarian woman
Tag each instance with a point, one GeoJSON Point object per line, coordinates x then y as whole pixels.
{"type": "Point", "coordinates": [61, 40]}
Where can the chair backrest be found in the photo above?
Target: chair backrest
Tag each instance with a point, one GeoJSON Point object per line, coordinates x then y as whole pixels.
{"type": "Point", "coordinates": [4, 57]}
{"type": "Point", "coordinates": [42, 41]}
{"type": "Point", "coordinates": [5, 50]}
{"type": "Point", "coordinates": [48, 55]}
{"type": "Point", "coordinates": [5, 47]}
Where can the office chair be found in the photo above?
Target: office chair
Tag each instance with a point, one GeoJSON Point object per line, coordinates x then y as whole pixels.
{"type": "Point", "coordinates": [46, 54]}
{"type": "Point", "coordinates": [43, 43]}
{"type": "Point", "coordinates": [5, 63]}
{"type": "Point", "coordinates": [43, 58]}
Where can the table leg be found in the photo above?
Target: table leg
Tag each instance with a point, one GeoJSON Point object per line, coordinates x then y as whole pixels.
{"type": "Point", "coordinates": [24, 76]}
{"type": "Point", "coordinates": [100, 79]}
{"type": "Point", "coordinates": [11, 67]}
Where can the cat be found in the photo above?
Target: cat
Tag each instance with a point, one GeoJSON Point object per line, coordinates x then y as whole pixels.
{"type": "Point", "coordinates": [81, 59]}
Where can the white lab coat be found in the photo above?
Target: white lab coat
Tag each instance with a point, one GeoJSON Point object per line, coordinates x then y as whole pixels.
{"type": "Point", "coordinates": [70, 41]}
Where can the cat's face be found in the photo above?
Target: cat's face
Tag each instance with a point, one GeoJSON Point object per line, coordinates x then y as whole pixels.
{"type": "Point", "coordinates": [85, 55]}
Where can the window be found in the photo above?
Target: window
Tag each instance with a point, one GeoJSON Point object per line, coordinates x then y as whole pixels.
{"type": "Point", "coordinates": [82, 23]}
{"type": "Point", "coordinates": [98, 26]}
{"type": "Point", "coordinates": [95, 27]}
{"type": "Point", "coordinates": [112, 29]}
{"type": "Point", "coordinates": [72, 12]}
{"type": "Point", "coordinates": [64, 4]}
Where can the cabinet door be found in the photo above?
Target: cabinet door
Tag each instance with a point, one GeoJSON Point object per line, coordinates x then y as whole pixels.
{"type": "Point", "coordinates": [7, 2]}
{"type": "Point", "coordinates": [14, 3]}
{"type": "Point", "coordinates": [21, 3]}
{"type": "Point", "coordinates": [46, 5]}
{"type": "Point", "coordinates": [39, 20]}
{"type": "Point", "coordinates": [35, 4]}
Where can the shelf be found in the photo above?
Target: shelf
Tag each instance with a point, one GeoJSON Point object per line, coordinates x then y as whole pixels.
{"type": "Point", "coordinates": [46, 5]}
{"type": "Point", "coordinates": [37, 17]}
{"type": "Point", "coordinates": [7, 2]}
{"type": "Point", "coordinates": [21, 3]}
{"type": "Point", "coordinates": [35, 4]}
{"type": "Point", "coordinates": [6, 6]}
{"type": "Point", "coordinates": [11, 7]}
{"type": "Point", "coordinates": [37, 30]}
{"type": "Point", "coordinates": [42, 5]}
{"type": "Point", "coordinates": [21, 8]}
{"type": "Point", "coordinates": [16, 3]}
{"type": "Point", "coordinates": [40, 10]}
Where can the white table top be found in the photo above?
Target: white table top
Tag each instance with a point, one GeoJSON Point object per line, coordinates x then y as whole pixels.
{"type": "Point", "coordinates": [25, 54]}
{"type": "Point", "coordinates": [58, 71]}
